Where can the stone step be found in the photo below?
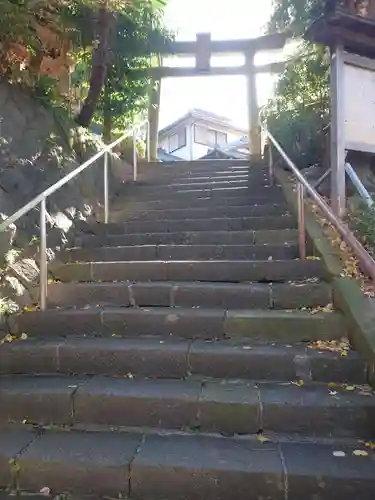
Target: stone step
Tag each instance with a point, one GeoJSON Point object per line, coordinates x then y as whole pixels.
{"type": "Point", "coordinates": [132, 204]}
{"type": "Point", "coordinates": [175, 294]}
{"type": "Point", "coordinates": [180, 252]}
{"type": "Point", "coordinates": [224, 406]}
{"type": "Point", "coordinates": [162, 466]}
{"type": "Point", "coordinates": [211, 271]}
{"type": "Point", "coordinates": [160, 358]}
{"type": "Point", "coordinates": [222, 176]}
{"type": "Point", "coordinates": [162, 169]}
{"type": "Point", "coordinates": [169, 178]}
{"type": "Point", "coordinates": [210, 190]}
{"type": "Point", "coordinates": [199, 165]}
{"type": "Point", "coordinates": [260, 237]}
{"type": "Point", "coordinates": [191, 323]}
{"type": "Point", "coordinates": [210, 212]}
{"type": "Point", "coordinates": [173, 226]}
{"type": "Point", "coordinates": [209, 182]}
{"type": "Point", "coordinates": [169, 174]}
{"type": "Point", "coordinates": [188, 198]}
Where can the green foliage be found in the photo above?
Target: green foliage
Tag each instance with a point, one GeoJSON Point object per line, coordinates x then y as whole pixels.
{"type": "Point", "coordinates": [364, 223]}
{"type": "Point", "coordinates": [299, 112]}
{"type": "Point", "coordinates": [17, 21]}
{"type": "Point", "coordinates": [295, 15]}
{"type": "Point", "coordinates": [137, 33]}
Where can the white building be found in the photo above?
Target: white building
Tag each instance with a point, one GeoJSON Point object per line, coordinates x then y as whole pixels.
{"type": "Point", "coordinates": [196, 134]}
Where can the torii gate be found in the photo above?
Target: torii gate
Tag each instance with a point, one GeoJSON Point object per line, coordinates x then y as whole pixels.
{"type": "Point", "coordinates": [203, 48]}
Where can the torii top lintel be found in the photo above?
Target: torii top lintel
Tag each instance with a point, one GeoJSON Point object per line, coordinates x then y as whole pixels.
{"type": "Point", "coordinates": [203, 48]}
{"type": "Point", "coordinates": [188, 48]}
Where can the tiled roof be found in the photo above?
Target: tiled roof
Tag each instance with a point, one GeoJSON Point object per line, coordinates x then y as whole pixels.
{"type": "Point", "coordinates": [200, 114]}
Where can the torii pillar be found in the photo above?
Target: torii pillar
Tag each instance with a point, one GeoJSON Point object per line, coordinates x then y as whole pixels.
{"type": "Point", "coordinates": [255, 134]}
{"type": "Point", "coordinates": [153, 118]}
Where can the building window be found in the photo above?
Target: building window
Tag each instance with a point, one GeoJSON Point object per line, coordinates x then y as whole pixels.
{"type": "Point", "coordinates": [178, 140]}
{"type": "Point", "coordinates": [209, 137]}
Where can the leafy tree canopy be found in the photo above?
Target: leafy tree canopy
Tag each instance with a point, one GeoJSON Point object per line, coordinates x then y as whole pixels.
{"type": "Point", "coordinates": [103, 40]}
{"type": "Point", "coordinates": [299, 111]}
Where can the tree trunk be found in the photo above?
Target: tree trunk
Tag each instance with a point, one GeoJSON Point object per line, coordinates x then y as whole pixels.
{"type": "Point", "coordinates": [100, 56]}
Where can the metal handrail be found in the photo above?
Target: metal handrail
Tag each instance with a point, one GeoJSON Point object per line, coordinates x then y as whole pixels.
{"type": "Point", "coordinates": [366, 261]}
{"type": "Point", "coordinates": [41, 200]}
{"type": "Point", "coordinates": [358, 184]}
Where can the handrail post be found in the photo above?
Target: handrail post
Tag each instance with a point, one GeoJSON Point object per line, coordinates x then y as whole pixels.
{"type": "Point", "coordinates": [106, 198]}
{"type": "Point", "coordinates": [301, 220]}
{"type": "Point", "coordinates": [135, 155]}
{"type": "Point", "coordinates": [148, 141]}
{"type": "Point", "coordinates": [270, 164]}
{"type": "Point", "coordinates": [43, 278]}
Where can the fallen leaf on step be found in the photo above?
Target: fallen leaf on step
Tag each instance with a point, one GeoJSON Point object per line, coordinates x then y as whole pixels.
{"type": "Point", "coordinates": [339, 454]}
{"type": "Point", "coordinates": [360, 453]}
{"type": "Point", "coordinates": [45, 491]}
{"type": "Point", "coordinates": [31, 308]}
{"type": "Point", "coordinates": [299, 383]}
{"type": "Point", "coordinates": [262, 438]}
{"type": "Point", "coordinates": [23, 336]}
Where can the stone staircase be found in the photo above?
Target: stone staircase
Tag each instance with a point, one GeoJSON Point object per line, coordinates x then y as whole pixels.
{"type": "Point", "coordinates": [177, 359]}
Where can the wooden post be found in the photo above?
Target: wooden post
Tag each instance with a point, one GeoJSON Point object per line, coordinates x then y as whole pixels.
{"type": "Point", "coordinates": [337, 132]}
{"type": "Point", "coordinates": [253, 108]}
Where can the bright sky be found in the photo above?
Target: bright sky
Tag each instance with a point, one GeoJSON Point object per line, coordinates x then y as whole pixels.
{"type": "Point", "coordinates": [225, 19]}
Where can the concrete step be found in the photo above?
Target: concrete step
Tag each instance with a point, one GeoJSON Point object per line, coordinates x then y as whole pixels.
{"type": "Point", "coordinates": [267, 195]}
{"type": "Point", "coordinates": [208, 212]}
{"type": "Point", "coordinates": [162, 466]}
{"type": "Point", "coordinates": [221, 176]}
{"type": "Point", "coordinates": [160, 358]}
{"type": "Point", "coordinates": [210, 190]}
{"type": "Point", "coordinates": [170, 174]}
{"type": "Point", "coordinates": [260, 237]}
{"type": "Point", "coordinates": [132, 205]}
{"type": "Point", "coordinates": [220, 271]}
{"type": "Point", "coordinates": [199, 165]}
{"type": "Point", "coordinates": [180, 252]}
{"type": "Point", "coordinates": [191, 323]}
{"type": "Point", "coordinates": [188, 184]}
{"type": "Point", "coordinates": [169, 178]}
{"type": "Point", "coordinates": [176, 294]}
{"type": "Point", "coordinates": [187, 225]}
{"type": "Point", "coordinates": [224, 406]}
{"type": "Point", "coordinates": [210, 182]}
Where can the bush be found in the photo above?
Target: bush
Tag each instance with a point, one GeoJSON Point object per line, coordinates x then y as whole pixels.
{"type": "Point", "coordinates": [363, 220]}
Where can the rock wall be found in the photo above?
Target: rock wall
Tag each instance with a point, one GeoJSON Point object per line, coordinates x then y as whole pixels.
{"type": "Point", "coordinates": [35, 152]}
